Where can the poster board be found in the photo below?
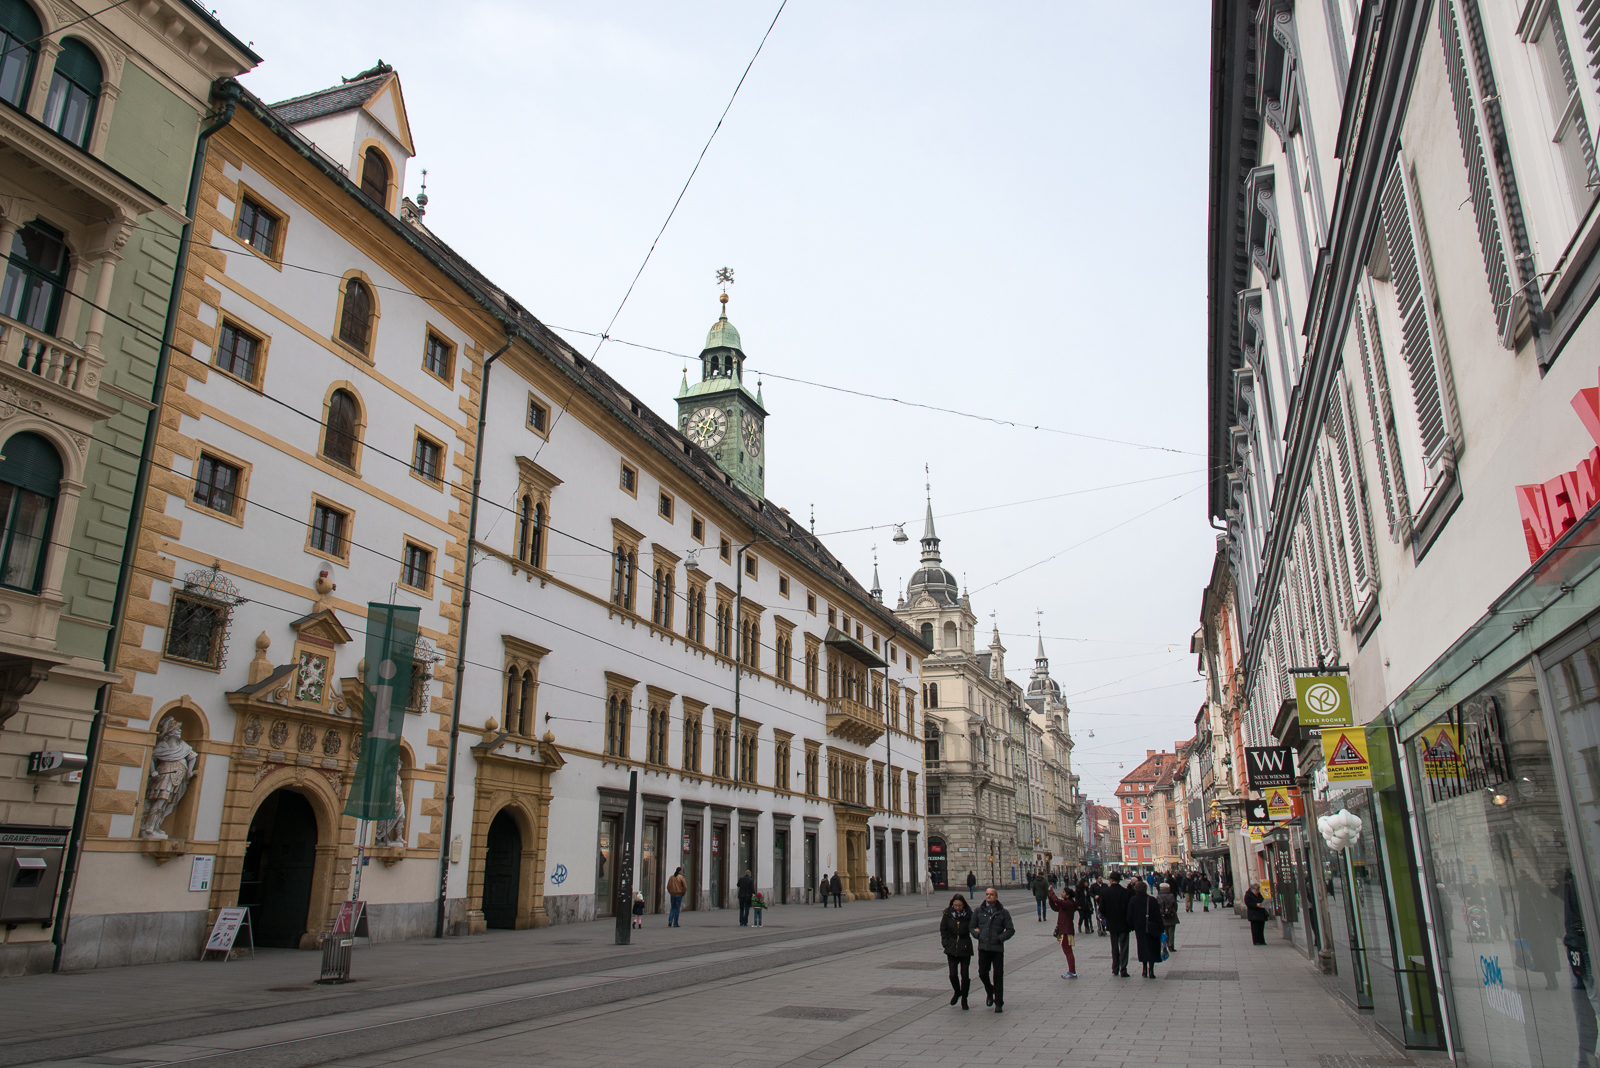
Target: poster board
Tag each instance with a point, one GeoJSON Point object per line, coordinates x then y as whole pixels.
{"type": "Point", "coordinates": [225, 933]}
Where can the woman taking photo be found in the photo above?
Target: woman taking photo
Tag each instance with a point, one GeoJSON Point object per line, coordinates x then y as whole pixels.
{"type": "Point", "coordinates": [955, 934]}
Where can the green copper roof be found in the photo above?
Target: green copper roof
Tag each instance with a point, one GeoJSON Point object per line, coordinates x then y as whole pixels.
{"type": "Point", "coordinates": [718, 385]}
{"type": "Point", "coordinates": [723, 335]}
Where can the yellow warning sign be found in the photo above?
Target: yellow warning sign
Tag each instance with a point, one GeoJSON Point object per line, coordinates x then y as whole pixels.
{"type": "Point", "coordinates": [1322, 701]}
{"type": "Point", "coordinates": [1344, 751]}
{"type": "Point", "coordinates": [1279, 807]}
{"type": "Point", "coordinates": [1441, 752]}
{"type": "Point", "coordinates": [1257, 832]}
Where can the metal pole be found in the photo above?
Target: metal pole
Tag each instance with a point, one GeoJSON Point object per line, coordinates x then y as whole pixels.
{"type": "Point", "coordinates": [624, 892]}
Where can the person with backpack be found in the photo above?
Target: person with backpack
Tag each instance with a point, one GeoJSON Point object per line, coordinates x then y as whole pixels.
{"type": "Point", "coordinates": [1168, 900]}
{"type": "Point", "coordinates": [1040, 888]}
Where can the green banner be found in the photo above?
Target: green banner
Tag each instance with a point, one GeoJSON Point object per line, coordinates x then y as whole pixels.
{"type": "Point", "coordinates": [391, 643]}
{"type": "Point", "coordinates": [1323, 701]}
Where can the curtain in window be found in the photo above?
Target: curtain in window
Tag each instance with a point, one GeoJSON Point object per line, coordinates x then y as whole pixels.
{"type": "Point", "coordinates": [30, 478]}
{"type": "Point", "coordinates": [74, 91]}
{"type": "Point", "coordinates": [36, 277]}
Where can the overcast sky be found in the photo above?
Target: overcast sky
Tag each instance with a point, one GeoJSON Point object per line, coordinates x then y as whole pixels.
{"type": "Point", "coordinates": [993, 208]}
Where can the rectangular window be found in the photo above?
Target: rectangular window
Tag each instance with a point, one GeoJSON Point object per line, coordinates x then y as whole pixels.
{"type": "Point", "coordinates": [1549, 37]}
{"type": "Point", "coordinates": [327, 530]}
{"type": "Point", "coordinates": [426, 458]}
{"type": "Point", "coordinates": [697, 529]}
{"type": "Point", "coordinates": [630, 479]}
{"type": "Point", "coordinates": [664, 506]}
{"type": "Point", "coordinates": [833, 615]}
{"type": "Point", "coordinates": [811, 603]}
{"type": "Point", "coordinates": [933, 803]}
{"type": "Point", "coordinates": [195, 629]}
{"type": "Point", "coordinates": [538, 416]}
{"type": "Point", "coordinates": [216, 485]}
{"type": "Point", "coordinates": [750, 565]}
{"type": "Point", "coordinates": [437, 354]}
{"type": "Point", "coordinates": [236, 352]}
{"type": "Point", "coordinates": [258, 227]}
{"type": "Point", "coordinates": [416, 567]}
{"type": "Point", "coordinates": [783, 585]}
{"type": "Point", "coordinates": [725, 549]}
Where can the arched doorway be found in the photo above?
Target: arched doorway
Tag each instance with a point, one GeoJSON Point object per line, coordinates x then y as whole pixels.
{"type": "Point", "coordinates": [279, 859]}
{"type": "Point", "coordinates": [502, 872]}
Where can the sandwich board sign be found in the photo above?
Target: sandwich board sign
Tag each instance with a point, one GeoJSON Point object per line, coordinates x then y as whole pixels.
{"type": "Point", "coordinates": [1322, 701]}
{"type": "Point", "coordinates": [1267, 766]}
{"type": "Point", "coordinates": [1344, 751]}
{"type": "Point", "coordinates": [225, 932]}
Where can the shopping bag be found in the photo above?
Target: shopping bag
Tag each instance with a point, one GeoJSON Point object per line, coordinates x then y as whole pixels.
{"type": "Point", "coordinates": [1165, 953]}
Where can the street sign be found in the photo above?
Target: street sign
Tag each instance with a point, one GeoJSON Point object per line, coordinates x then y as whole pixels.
{"type": "Point", "coordinates": [1267, 766]}
{"type": "Point", "coordinates": [1344, 751]}
{"type": "Point", "coordinates": [1322, 700]}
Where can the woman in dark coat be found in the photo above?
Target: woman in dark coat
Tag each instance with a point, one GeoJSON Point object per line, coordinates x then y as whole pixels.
{"type": "Point", "coordinates": [1256, 914]}
{"type": "Point", "coordinates": [955, 934]}
{"type": "Point", "coordinates": [1144, 921]}
{"type": "Point", "coordinates": [1085, 908]}
{"type": "Point", "coordinates": [1064, 908]}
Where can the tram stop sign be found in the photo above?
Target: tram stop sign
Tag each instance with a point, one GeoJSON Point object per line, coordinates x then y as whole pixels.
{"type": "Point", "coordinates": [1322, 701]}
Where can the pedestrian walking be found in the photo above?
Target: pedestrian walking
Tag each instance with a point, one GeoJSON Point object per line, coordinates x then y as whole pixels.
{"type": "Point", "coordinates": [638, 910]}
{"type": "Point", "coordinates": [836, 888]}
{"type": "Point", "coordinates": [1191, 886]}
{"type": "Point", "coordinates": [993, 925]}
{"type": "Point", "coordinates": [1064, 908]}
{"type": "Point", "coordinates": [1168, 900]}
{"type": "Point", "coordinates": [1205, 893]}
{"type": "Point", "coordinates": [1144, 920]}
{"type": "Point", "coordinates": [955, 935]}
{"type": "Point", "coordinates": [1040, 888]}
{"type": "Point", "coordinates": [1256, 914]}
{"type": "Point", "coordinates": [677, 886]}
{"type": "Point", "coordinates": [1114, 911]}
{"type": "Point", "coordinates": [823, 891]}
{"type": "Point", "coordinates": [747, 891]}
{"type": "Point", "coordinates": [972, 884]}
{"type": "Point", "coordinates": [1097, 890]}
{"type": "Point", "coordinates": [1085, 907]}
{"type": "Point", "coordinates": [758, 905]}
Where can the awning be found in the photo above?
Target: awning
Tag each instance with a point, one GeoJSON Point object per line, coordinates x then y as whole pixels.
{"type": "Point", "coordinates": [1209, 852]}
{"type": "Point", "coordinates": [838, 639]}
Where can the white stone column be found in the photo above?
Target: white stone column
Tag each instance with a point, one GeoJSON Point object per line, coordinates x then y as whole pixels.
{"type": "Point", "coordinates": [44, 70]}
{"type": "Point", "coordinates": [102, 118]}
{"type": "Point", "coordinates": [116, 239]}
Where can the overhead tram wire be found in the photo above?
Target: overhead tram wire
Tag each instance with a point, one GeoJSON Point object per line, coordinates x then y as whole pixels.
{"type": "Point", "coordinates": [605, 334]}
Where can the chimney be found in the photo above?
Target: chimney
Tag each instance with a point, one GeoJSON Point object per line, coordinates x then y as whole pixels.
{"type": "Point", "coordinates": [1148, 753]}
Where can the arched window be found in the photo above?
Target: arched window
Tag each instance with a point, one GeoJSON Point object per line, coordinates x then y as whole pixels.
{"type": "Point", "coordinates": [951, 641]}
{"type": "Point", "coordinates": [339, 443]}
{"type": "Point", "coordinates": [355, 324]}
{"type": "Point", "coordinates": [30, 478]}
{"type": "Point", "coordinates": [375, 177]}
{"type": "Point", "coordinates": [927, 635]}
{"type": "Point", "coordinates": [932, 700]}
{"type": "Point", "coordinates": [36, 276]}
{"type": "Point", "coordinates": [513, 701]}
{"type": "Point", "coordinates": [19, 48]}
{"type": "Point", "coordinates": [74, 92]}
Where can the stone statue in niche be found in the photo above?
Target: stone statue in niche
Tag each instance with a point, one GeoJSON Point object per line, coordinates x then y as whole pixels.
{"type": "Point", "coordinates": [393, 832]}
{"type": "Point", "coordinates": [172, 765]}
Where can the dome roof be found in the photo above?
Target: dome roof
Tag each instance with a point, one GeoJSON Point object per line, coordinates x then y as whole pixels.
{"type": "Point", "coordinates": [722, 335]}
{"type": "Point", "coordinates": [1044, 684]}
{"type": "Point", "coordinates": [937, 583]}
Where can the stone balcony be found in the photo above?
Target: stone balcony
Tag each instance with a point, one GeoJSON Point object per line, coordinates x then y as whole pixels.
{"type": "Point", "coordinates": [34, 362]}
{"type": "Point", "coordinates": [854, 721]}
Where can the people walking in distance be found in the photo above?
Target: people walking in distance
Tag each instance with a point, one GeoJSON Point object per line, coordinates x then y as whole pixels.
{"type": "Point", "coordinates": [1064, 908]}
{"type": "Point", "coordinates": [1114, 910]}
{"type": "Point", "coordinates": [994, 927]}
{"type": "Point", "coordinates": [1226, 888]}
{"type": "Point", "coordinates": [1097, 890]}
{"type": "Point", "coordinates": [1191, 886]}
{"type": "Point", "coordinates": [824, 891]}
{"type": "Point", "coordinates": [758, 905]}
{"type": "Point", "coordinates": [747, 891]}
{"type": "Point", "coordinates": [1085, 907]}
{"type": "Point", "coordinates": [836, 887]}
{"type": "Point", "coordinates": [955, 934]}
{"type": "Point", "coordinates": [1256, 914]}
{"type": "Point", "coordinates": [1040, 887]}
{"type": "Point", "coordinates": [1144, 920]}
{"type": "Point", "coordinates": [638, 910]}
{"type": "Point", "coordinates": [1168, 900]}
{"type": "Point", "coordinates": [972, 884]}
{"type": "Point", "coordinates": [1205, 893]}
{"type": "Point", "coordinates": [677, 886]}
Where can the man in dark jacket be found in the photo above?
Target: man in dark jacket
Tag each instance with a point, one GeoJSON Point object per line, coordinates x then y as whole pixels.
{"type": "Point", "coordinates": [1097, 890]}
{"type": "Point", "coordinates": [836, 888]}
{"type": "Point", "coordinates": [972, 884]}
{"type": "Point", "coordinates": [993, 925]}
{"type": "Point", "coordinates": [747, 891]}
{"type": "Point", "coordinates": [1114, 908]}
{"type": "Point", "coordinates": [1041, 890]}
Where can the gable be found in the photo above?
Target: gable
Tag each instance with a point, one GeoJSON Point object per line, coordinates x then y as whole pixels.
{"type": "Point", "coordinates": [388, 107]}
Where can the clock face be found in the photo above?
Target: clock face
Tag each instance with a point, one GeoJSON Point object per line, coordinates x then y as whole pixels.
{"type": "Point", "coordinates": [707, 427]}
{"type": "Point", "coordinates": [752, 434]}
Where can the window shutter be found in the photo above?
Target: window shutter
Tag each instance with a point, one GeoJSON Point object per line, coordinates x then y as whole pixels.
{"type": "Point", "coordinates": [1589, 29]}
{"type": "Point", "coordinates": [1376, 380]}
{"type": "Point", "coordinates": [1421, 340]}
{"type": "Point", "coordinates": [1327, 493]}
{"type": "Point", "coordinates": [1350, 489]}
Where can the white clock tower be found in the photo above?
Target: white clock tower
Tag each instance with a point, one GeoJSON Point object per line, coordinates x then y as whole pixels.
{"type": "Point", "coordinates": [720, 414]}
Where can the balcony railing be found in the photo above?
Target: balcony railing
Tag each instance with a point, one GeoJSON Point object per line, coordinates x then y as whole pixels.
{"type": "Point", "coordinates": [854, 721]}
{"type": "Point", "coordinates": [58, 362]}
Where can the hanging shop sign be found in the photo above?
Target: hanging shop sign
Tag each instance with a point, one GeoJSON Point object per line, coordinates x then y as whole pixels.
{"type": "Point", "coordinates": [1322, 701]}
{"type": "Point", "coordinates": [1344, 750]}
{"type": "Point", "coordinates": [1279, 807]}
{"type": "Point", "coordinates": [1255, 812]}
{"type": "Point", "coordinates": [1550, 509]}
{"type": "Point", "coordinates": [1267, 766]}
{"type": "Point", "coordinates": [391, 643]}
{"type": "Point", "coordinates": [1441, 751]}
{"type": "Point", "coordinates": [1257, 834]}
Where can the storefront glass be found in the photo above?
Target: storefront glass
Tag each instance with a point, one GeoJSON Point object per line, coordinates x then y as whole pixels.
{"type": "Point", "coordinates": [1355, 898]}
{"type": "Point", "coordinates": [1499, 864]}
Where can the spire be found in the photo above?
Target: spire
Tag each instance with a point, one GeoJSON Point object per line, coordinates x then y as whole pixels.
{"type": "Point", "coordinates": [877, 586]}
{"type": "Point", "coordinates": [930, 540]}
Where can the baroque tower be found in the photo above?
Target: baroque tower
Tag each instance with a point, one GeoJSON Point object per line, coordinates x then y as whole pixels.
{"type": "Point", "coordinates": [721, 415]}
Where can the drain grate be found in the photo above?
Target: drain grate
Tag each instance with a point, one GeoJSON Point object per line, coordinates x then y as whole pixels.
{"type": "Point", "coordinates": [910, 992]}
{"type": "Point", "coordinates": [814, 1012]}
{"type": "Point", "coordinates": [1232, 977]}
{"type": "Point", "coordinates": [916, 965]}
{"type": "Point", "coordinates": [1353, 1060]}
{"type": "Point", "coordinates": [286, 989]}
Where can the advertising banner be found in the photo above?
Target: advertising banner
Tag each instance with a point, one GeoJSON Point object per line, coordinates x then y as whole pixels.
{"type": "Point", "coordinates": [1279, 807]}
{"type": "Point", "coordinates": [1344, 750]}
{"type": "Point", "coordinates": [391, 644]}
{"type": "Point", "coordinates": [1322, 701]}
{"type": "Point", "coordinates": [1441, 752]}
{"type": "Point", "coordinates": [1267, 766]}
{"type": "Point", "coordinates": [1255, 812]}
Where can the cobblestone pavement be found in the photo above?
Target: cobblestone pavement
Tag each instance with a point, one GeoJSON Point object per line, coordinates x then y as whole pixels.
{"type": "Point", "coordinates": [864, 986]}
